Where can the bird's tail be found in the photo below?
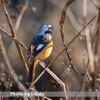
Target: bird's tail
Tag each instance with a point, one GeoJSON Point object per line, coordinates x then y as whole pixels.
{"type": "Point", "coordinates": [31, 75]}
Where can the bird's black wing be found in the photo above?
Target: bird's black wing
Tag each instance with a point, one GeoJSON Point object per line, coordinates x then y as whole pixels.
{"type": "Point", "coordinates": [38, 43]}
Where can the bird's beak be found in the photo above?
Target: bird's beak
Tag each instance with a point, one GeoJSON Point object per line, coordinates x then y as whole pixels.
{"type": "Point", "coordinates": [51, 28]}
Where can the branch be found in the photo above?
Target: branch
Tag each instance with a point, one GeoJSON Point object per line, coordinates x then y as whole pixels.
{"type": "Point", "coordinates": [96, 52]}
{"type": "Point", "coordinates": [87, 68]}
{"type": "Point", "coordinates": [13, 34]}
{"type": "Point", "coordinates": [90, 47]}
{"type": "Point", "coordinates": [12, 72]}
{"type": "Point", "coordinates": [62, 33]}
{"type": "Point", "coordinates": [65, 47]}
{"type": "Point", "coordinates": [21, 44]}
{"type": "Point", "coordinates": [7, 34]}
{"type": "Point", "coordinates": [53, 75]}
{"type": "Point", "coordinates": [63, 16]}
{"type": "Point", "coordinates": [69, 13]}
{"type": "Point", "coordinates": [21, 15]}
{"type": "Point", "coordinates": [61, 23]}
{"type": "Point", "coordinates": [2, 31]}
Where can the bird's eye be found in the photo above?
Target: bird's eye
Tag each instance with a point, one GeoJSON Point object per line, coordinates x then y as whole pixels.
{"type": "Point", "coordinates": [48, 28]}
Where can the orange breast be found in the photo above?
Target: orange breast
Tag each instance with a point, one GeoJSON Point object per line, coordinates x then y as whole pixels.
{"type": "Point", "coordinates": [47, 50]}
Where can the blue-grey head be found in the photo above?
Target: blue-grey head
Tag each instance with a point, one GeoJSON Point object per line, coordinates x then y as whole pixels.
{"type": "Point", "coordinates": [45, 29]}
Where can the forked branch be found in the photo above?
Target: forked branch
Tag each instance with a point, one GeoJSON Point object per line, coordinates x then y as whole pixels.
{"type": "Point", "coordinates": [14, 35]}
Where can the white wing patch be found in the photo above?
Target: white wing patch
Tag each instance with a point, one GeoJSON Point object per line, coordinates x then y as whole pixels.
{"type": "Point", "coordinates": [39, 46]}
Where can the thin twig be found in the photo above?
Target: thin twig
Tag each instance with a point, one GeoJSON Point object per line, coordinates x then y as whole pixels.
{"type": "Point", "coordinates": [2, 31]}
{"type": "Point", "coordinates": [72, 40]}
{"type": "Point", "coordinates": [53, 75]}
{"type": "Point", "coordinates": [13, 38]}
{"type": "Point", "coordinates": [90, 53]}
{"type": "Point", "coordinates": [90, 50]}
{"type": "Point", "coordinates": [62, 33]}
{"type": "Point", "coordinates": [12, 72]}
{"type": "Point", "coordinates": [69, 14]}
{"type": "Point", "coordinates": [20, 43]}
{"type": "Point", "coordinates": [21, 15]}
{"type": "Point", "coordinates": [96, 52]}
{"type": "Point", "coordinates": [65, 47]}
{"type": "Point", "coordinates": [87, 68]}
{"type": "Point", "coordinates": [62, 50]}
{"type": "Point", "coordinates": [85, 77]}
{"type": "Point", "coordinates": [95, 37]}
{"type": "Point", "coordinates": [69, 42]}
{"type": "Point", "coordinates": [13, 34]}
{"type": "Point", "coordinates": [63, 16]}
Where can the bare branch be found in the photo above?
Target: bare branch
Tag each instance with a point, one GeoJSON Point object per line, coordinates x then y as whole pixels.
{"type": "Point", "coordinates": [96, 52]}
{"type": "Point", "coordinates": [65, 48]}
{"type": "Point", "coordinates": [7, 34]}
{"type": "Point", "coordinates": [53, 75]}
{"type": "Point", "coordinates": [12, 72]}
{"type": "Point", "coordinates": [69, 13]}
{"type": "Point", "coordinates": [13, 34]}
{"type": "Point", "coordinates": [62, 33]}
{"type": "Point", "coordinates": [13, 38]}
{"type": "Point", "coordinates": [63, 15]}
{"type": "Point", "coordinates": [87, 68]}
{"type": "Point", "coordinates": [21, 15]}
{"type": "Point", "coordinates": [89, 46]}
{"type": "Point", "coordinates": [85, 77]}
{"type": "Point", "coordinates": [69, 42]}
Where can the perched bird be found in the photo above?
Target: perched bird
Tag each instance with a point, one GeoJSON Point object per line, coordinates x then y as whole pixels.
{"type": "Point", "coordinates": [39, 48]}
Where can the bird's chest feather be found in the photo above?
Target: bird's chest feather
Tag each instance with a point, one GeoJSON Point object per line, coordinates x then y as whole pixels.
{"type": "Point", "coordinates": [47, 50]}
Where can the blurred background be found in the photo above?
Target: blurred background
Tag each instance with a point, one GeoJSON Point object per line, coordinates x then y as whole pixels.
{"type": "Point", "coordinates": [47, 12]}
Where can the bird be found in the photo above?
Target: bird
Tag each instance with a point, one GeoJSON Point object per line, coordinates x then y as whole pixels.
{"type": "Point", "coordinates": [40, 48]}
